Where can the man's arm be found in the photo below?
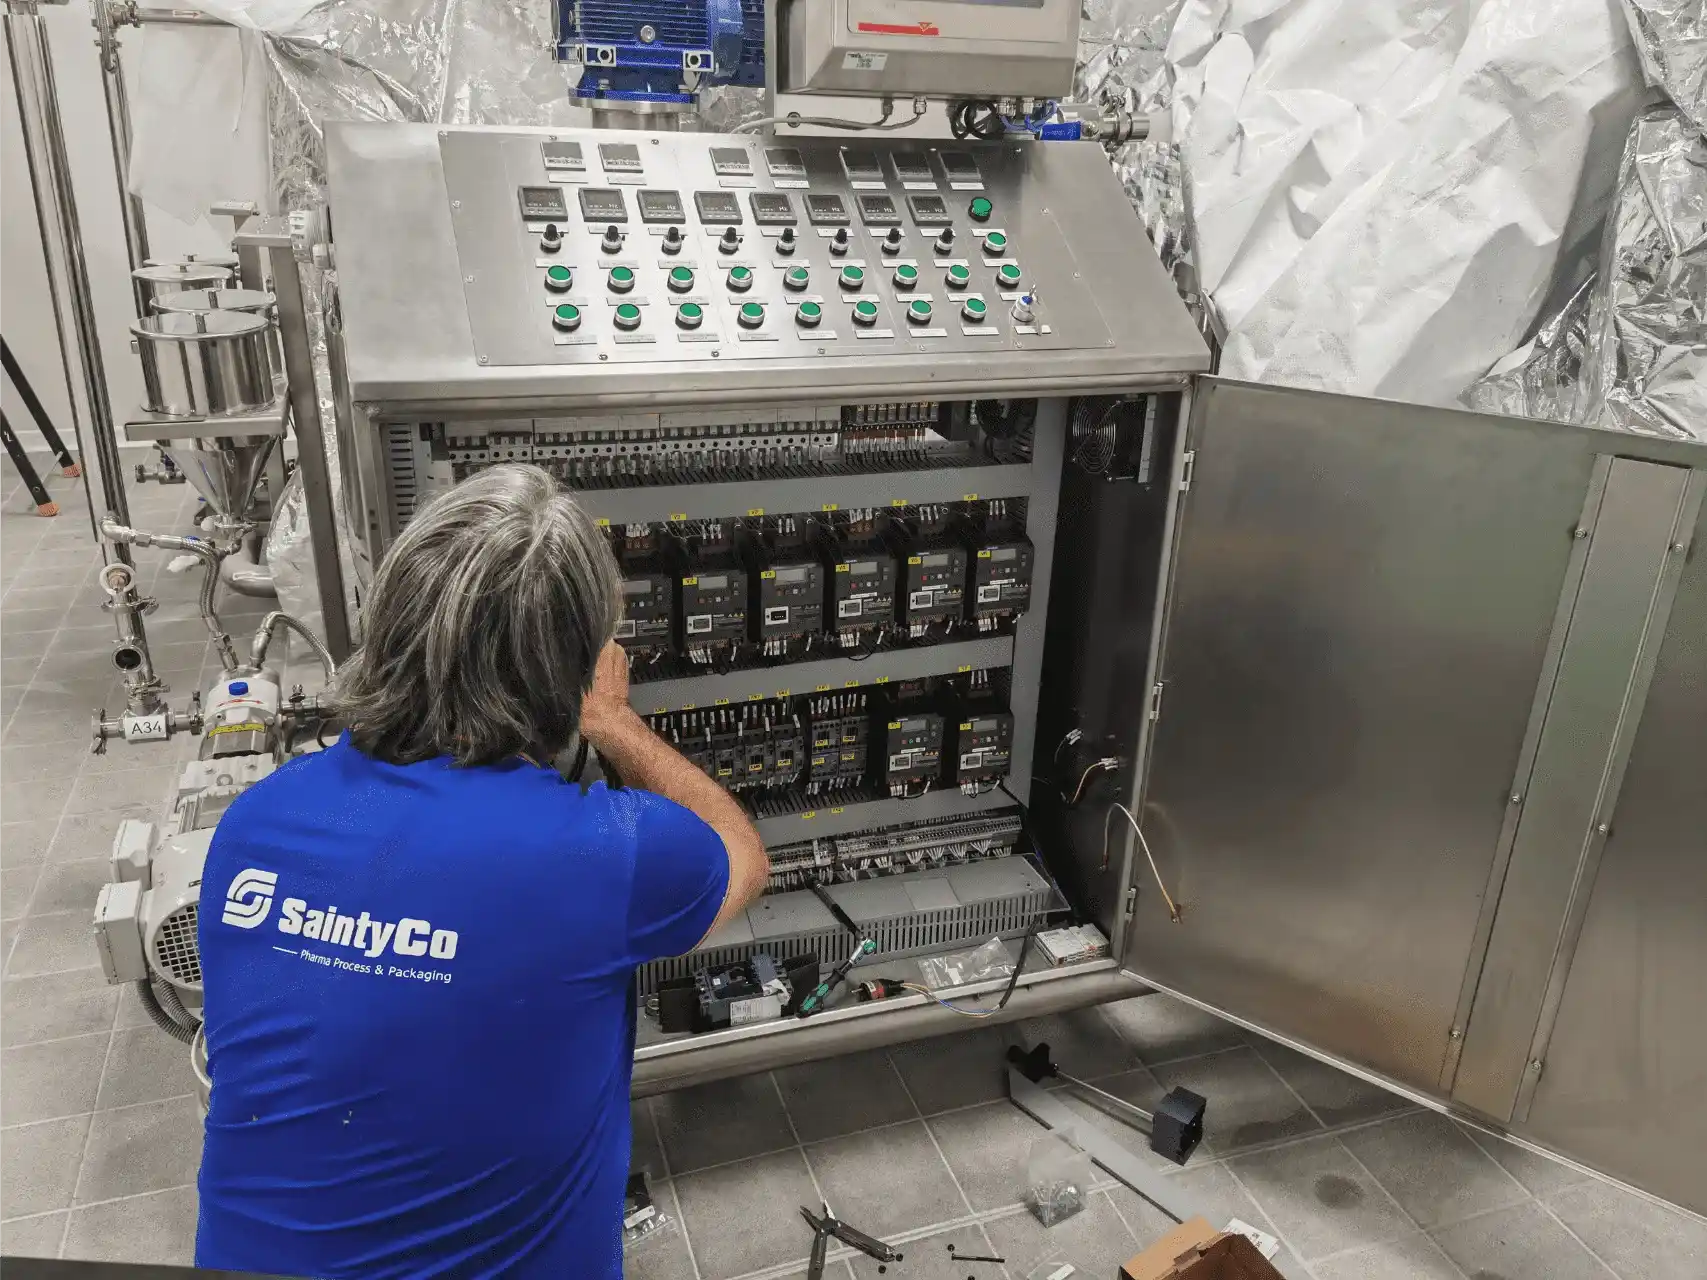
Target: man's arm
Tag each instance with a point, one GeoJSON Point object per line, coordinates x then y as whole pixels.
{"type": "Point", "coordinates": [646, 761]}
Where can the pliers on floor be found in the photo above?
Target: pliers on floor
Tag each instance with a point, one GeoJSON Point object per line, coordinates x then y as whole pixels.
{"type": "Point", "coordinates": [828, 1226]}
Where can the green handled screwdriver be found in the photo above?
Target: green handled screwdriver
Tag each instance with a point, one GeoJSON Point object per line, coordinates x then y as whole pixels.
{"type": "Point", "coordinates": [821, 993]}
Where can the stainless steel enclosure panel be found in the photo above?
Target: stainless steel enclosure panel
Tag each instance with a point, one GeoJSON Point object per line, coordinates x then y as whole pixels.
{"type": "Point", "coordinates": [1363, 596]}
{"type": "Point", "coordinates": [1593, 704]}
{"type": "Point", "coordinates": [410, 343]}
{"type": "Point", "coordinates": [1624, 1084]}
{"type": "Point", "coordinates": [969, 48]}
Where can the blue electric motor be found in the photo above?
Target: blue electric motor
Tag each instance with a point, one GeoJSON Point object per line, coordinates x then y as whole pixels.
{"type": "Point", "coordinates": [661, 51]}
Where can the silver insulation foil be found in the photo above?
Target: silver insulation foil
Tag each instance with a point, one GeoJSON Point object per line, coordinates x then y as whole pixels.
{"type": "Point", "coordinates": [1671, 37]}
{"type": "Point", "coordinates": [1542, 377]}
{"type": "Point", "coordinates": [1628, 351]}
{"type": "Point", "coordinates": [1122, 63]}
{"type": "Point", "coordinates": [424, 61]}
{"type": "Point", "coordinates": [1646, 369]}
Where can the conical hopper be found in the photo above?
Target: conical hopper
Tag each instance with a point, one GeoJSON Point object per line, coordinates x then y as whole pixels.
{"type": "Point", "coordinates": [224, 471]}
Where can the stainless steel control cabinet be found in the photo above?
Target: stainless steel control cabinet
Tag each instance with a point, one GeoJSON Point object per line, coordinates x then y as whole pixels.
{"type": "Point", "coordinates": [1411, 703]}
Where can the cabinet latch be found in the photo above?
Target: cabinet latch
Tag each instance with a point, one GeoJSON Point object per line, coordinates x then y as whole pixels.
{"type": "Point", "coordinates": [1187, 465]}
{"type": "Point", "coordinates": [1156, 700]}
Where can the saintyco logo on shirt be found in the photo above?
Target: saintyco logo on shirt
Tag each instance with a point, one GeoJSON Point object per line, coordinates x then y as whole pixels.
{"type": "Point", "coordinates": [250, 897]}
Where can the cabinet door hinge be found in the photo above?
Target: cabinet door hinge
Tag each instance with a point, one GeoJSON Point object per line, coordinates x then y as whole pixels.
{"type": "Point", "coordinates": [1131, 903]}
{"type": "Point", "coordinates": [1156, 700]}
{"type": "Point", "coordinates": [1187, 464]}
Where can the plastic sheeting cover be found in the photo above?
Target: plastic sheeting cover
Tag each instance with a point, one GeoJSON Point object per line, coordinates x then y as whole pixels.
{"type": "Point", "coordinates": [444, 61]}
{"type": "Point", "coordinates": [1381, 194]}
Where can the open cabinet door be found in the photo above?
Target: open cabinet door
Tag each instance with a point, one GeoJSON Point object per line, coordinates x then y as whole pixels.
{"type": "Point", "coordinates": [1369, 618]}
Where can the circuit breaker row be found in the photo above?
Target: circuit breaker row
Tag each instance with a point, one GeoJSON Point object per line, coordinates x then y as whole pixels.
{"type": "Point", "coordinates": [715, 592]}
{"type": "Point", "coordinates": [647, 449]}
{"type": "Point", "coordinates": [870, 855]}
{"type": "Point", "coordinates": [899, 740]}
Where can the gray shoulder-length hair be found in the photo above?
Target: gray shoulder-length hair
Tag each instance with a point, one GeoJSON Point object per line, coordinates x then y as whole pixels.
{"type": "Point", "coordinates": [483, 629]}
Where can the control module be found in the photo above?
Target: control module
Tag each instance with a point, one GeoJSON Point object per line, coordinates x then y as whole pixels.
{"type": "Point", "coordinates": [615, 247]}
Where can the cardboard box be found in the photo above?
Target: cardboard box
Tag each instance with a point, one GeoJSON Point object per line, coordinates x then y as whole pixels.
{"type": "Point", "coordinates": [1194, 1250]}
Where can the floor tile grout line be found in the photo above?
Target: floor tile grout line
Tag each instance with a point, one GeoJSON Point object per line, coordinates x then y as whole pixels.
{"type": "Point", "coordinates": [1380, 1186]}
{"type": "Point", "coordinates": [1366, 1246]}
{"type": "Point", "coordinates": [817, 1187]}
{"type": "Point", "coordinates": [940, 1153]}
{"type": "Point", "coordinates": [1584, 1244]}
{"type": "Point", "coordinates": [58, 826]}
{"type": "Point", "coordinates": [89, 1133]}
{"type": "Point", "coordinates": [1287, 1085]}
{"type": "Point", "coordinates": [1268, 1218]}
{"type": "Point", "coordinates": [841, 1253]}
{"type": "Point", "coordinates": [100, 1111]}
{"type": "Point", "coordinates": [664, 1157]}
{"type": "Point", "coordinates": [1470, 1133]}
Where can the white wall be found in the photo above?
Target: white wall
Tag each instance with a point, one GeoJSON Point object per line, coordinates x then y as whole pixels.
{"type": "Point", "coordinates": [26, 314]}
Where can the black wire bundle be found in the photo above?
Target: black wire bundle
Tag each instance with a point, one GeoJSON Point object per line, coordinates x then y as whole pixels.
{"type": "Point", "coordinates": [976, 118]}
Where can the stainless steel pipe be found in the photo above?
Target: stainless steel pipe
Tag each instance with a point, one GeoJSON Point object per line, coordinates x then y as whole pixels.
{"type": "Point", "coordinates": [62, 244]}
{"type": "Point", "coordinates": [118, 131]}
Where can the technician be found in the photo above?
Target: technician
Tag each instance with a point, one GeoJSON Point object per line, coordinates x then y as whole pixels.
{"type": "Point", "coordinates": [419, 945]}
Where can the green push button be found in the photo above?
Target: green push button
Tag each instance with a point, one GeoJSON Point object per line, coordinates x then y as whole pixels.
{"type": "Point", "coordinates": [980, 209]}
{"type": "Point", "coordinates": [558, 279]}
{"type": "Point", "coordinates": [1007, 275]}
{"type": "Point", "coordinates": [681, 279]}
{"type": "Point", "coordinates": [919, 311]}
{"type": "Point", "coordinates": [852, 278]}
{"type": "Point", "coordinates": [690, 315]}
{"type": "Point", "coordinates": [865, 312]}
{"type": "Point", "coordinates": [958, 275]}
{"type": "Point", "coordinates": [906, 276]}
{"type": "Point", "coordinates": [628, 316]}
{"type": "Point", "coordinates": [621, 279]}
{"type": "Point", "coordinates": [751, 315]}
{"type": "Point", "coordinates": [974, 310]}
{"type": "Point", "coordinates": [995, 243]}
{"type": "Point", "coordinates": [740, 279]}
{"type": "Point", "coordinates": [795, 278]}
{"type": "Point", "coordinates": [566, 316]}
{"type": "Point", "coordinates": [808, 314]}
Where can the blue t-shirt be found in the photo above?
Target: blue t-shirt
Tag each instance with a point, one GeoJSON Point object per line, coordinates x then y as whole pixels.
{"type": "Point", "coordinates": [420, 1018]}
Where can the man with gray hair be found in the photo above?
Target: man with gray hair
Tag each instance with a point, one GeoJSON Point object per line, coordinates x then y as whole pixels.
{"type": "Point", "coordinates": [419, 945]}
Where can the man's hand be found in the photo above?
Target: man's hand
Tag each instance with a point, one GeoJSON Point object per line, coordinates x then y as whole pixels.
{"type": "Point", "coordinates": [605, 707]}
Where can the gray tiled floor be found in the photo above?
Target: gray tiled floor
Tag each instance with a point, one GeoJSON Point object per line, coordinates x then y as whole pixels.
{"type": "Point", "coordinates": [101, 1136]}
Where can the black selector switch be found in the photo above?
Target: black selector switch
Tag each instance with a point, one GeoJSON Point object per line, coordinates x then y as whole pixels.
{"type": "Point", "coordinates": [551, 239]}
{"type": "Point", "coordinates": [839, 242]}
{"type": "Point", "coordinates": [945, 240]}
{"type": "Point", "coordinates": [612, 242]}
{"type": "Point", "coordinates": [730, 242]}
{"type": "Point", "coordinates": [892, 241]}
{"type": "Point", "coordinates": [672, 240]}
{"type": "Point", "coordinates": [785, 242]}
